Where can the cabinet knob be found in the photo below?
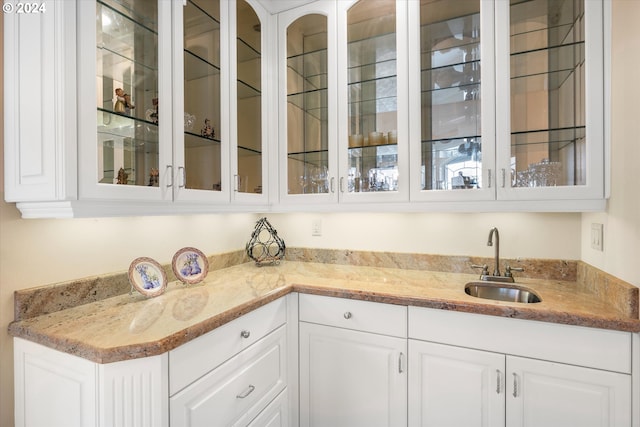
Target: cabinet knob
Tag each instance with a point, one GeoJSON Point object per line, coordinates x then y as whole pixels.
{"type": "Point", "coordinates": [348, 315]}
{"type": "Point", "coordinates": [245, 334]}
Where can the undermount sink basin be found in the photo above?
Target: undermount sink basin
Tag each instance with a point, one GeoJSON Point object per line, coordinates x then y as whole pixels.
{"type": "Point", "coordinates": [501, 292]}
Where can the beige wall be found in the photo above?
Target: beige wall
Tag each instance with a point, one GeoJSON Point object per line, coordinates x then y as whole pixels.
{"type": "Point", "coordinates": [622, 219]}
{"type": "Point", "coordinates": [40, 252]}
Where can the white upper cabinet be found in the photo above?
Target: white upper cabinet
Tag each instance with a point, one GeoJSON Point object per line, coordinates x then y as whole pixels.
{"type": "Point", "coordinates": [124, 73]}
{"type": "Point", "coordinates": [139, 107]}
{"type": "Point", "coordinates": [344, 108]}
{"type": "Point", "coordinates": [452, 100]}
{"type": "Point", "coordinates": [509, 103]}
{"type": "Point", "coordinates": [158, 107]}
{"type": "Point", "coordinates": [308, 171]}
{"type": "Point", "coordinates": [550, 100]}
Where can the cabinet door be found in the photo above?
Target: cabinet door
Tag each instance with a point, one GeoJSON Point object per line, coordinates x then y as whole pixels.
{"type": "Point", "coordinates": [546, 394]}
{"type": "Point", "coordinates": [307, 104]}
{"type": "Point", "coordinates": [200, 107]}
{"type": "Point", "coordinates": [250, 92]}
{"type": "Point", "coordinates": [372, 100]}
{"type": "Point", "coordinates": [124, 140]}
{"type": "Point", "coordinates": [455, 386]}
{"type": "Point", "coordinates": [351, 378]}
{"type": "Point", "coordinates": [452, 98]}
{"type": "Point", "coordinates": [53, 388]}
{"type": "Point", "coordinates": [550, 99]}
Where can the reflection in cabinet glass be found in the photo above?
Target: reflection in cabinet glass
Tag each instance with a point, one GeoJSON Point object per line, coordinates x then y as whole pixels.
{"type": "Point", "coordinates": [372, 82]}
{"type": "Point", "coordinates": [249, 179]}
{"type": "Point", "coordinates": [548, 137]}
{"type": "Point", "coordinates": [127, 87]}
{"type": "Point", "coordinates": [450, 92]}
{"type": "Point", "coordinates": [307, 127]}
{"type": "Point", "coordinates": [202, 122]}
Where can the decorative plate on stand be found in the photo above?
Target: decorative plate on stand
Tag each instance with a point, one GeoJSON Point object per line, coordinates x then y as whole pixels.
{"type": "Point", "coordinates": [190, 265]}
{"type": "Point", "coordinates": [147, 276]}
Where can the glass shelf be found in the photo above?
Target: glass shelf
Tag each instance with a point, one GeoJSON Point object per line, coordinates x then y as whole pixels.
{"type": "Point", "coordinates": [246, 91]}
{"type": "Point", "coordinates": [313, 103]}
{"type": "Point", "coordinates": [197, 67]}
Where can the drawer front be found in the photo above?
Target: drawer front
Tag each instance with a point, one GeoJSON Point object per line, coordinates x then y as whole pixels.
{"type": "Point", "coordinates": [192, 360]}
{"type": "Point", "coordinates": [575, 345]}
{"type": "Point", "coordinates": [240, 388]}
{"type": "Point", "coordinates": [379, 318]}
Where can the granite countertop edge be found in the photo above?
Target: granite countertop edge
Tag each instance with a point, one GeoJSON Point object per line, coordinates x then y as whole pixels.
{"type": "Point", "coordinates": [77, 331]}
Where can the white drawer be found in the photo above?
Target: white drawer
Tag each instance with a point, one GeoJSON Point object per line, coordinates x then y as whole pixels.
{"type": "Point", "coordinates": [575, 345]}
{"type": "Point", "coordinates": [238, 389]}
{"type": "Point", "coordinates": [192, 360]}
{"type": "Point", "coordinates": [379, 318]}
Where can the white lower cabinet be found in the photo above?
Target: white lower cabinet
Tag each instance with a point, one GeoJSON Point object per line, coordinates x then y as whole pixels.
{"type": "Point", "coordinates": [238, 390]}
{"type": "Point", "coordinates": [349, 377]}
{"type": "Point", "coordinates": [493, 385]}
{"type": "Point", "coordinates": [454, 386]}
{"type": "Point", "coordinates": [56, 389]}
{"type": "Point", "coordinates": [546, 394]}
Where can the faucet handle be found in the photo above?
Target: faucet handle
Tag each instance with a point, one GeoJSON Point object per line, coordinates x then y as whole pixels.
{"type": "Point", "coordinates": [484, 267]}
{"type": "Point", "coordinates": [509, 269]}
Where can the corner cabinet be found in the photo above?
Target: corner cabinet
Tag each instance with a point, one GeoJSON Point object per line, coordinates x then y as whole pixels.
{"type": "Point", "coordinates": [237, 374]}
{"type": "Point", "coordinates": [120, 108]}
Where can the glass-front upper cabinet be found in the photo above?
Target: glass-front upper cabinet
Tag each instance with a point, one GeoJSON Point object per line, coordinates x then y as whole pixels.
{"type": "Point", "coordinates": [123, 147]}
{"type": "Point", "coordinates": [452, 114]}
{"type": "Point", "coordinates": [250, 129]}
{"type": "Point", "coordinates": [372, 100]}
{"type": "Point", "coordinates": [550, 99]}
{"type": "Point", "coordinates": [200, 128]}
{"type": "Point", "coordinates": [307, 71]}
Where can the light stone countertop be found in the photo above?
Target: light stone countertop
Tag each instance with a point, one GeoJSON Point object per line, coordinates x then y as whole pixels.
{"type": "Point", "coordinates": [133, 326]}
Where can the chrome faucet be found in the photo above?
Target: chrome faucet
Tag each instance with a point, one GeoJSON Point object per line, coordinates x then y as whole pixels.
{"type": "Point", "coordinates": [496, 276]}
{"type": "Point", "coordinates": [494, 230]}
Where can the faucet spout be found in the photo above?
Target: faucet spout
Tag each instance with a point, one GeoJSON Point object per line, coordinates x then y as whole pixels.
{"type": "Point", "coordinates": [494, 230]}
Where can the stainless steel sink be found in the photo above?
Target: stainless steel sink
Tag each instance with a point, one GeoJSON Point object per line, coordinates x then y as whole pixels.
{"type": "Point", "coordinates": [501, 292]}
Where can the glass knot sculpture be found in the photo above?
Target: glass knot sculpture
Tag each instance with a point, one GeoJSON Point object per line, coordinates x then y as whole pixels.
{"type": "Point", "coordinates": [265, 247]}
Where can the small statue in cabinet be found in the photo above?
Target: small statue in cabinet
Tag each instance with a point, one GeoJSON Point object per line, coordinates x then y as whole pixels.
{"type": "Point", "coordinates": [208, 131]}
{"type": "Point", "coordinates": [123, 102]}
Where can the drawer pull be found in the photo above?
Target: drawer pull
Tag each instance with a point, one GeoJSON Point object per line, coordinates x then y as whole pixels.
{"type": "Point", "coordinates": [247, 392]}
{"type": "Point", "coordinates": [245, 334]}
{"type": "Point", "coordinates": [348, 315]}
{"type": "Point", "coordinates": [515, 385]}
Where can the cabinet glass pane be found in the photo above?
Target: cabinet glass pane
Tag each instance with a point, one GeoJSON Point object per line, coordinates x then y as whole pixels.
{"type": "Point", "coordinates": [307, 140]}
{"type": "Point", "coordinates": [548, 137]}
{"type": "Point", "coordinates": [373, 140]}
{"type": "Point", "coordinates": [127, 91]}
{"type": "Point", "coordinates": [202, 95]}
{"type": "Point", "coordinates": [450, 92]}
{"type": "Point", "coordinates": [249, 99]}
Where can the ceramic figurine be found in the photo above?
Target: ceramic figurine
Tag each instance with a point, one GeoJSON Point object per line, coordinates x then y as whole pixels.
{"type": "Point", "coordinates": [207, 130]}
{"type": "Point", "coordinates": [122, 176]}
{"type": "Point", "coordinates": [123, 102]}
{"type": "Point", "coordinates": [154, 176]}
